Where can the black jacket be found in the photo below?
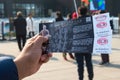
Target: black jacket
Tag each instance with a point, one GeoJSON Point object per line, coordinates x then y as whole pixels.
{"type": "Point", "coordinates": [20, 25]}
{"type": "Point", "coordinates": [59, 19]}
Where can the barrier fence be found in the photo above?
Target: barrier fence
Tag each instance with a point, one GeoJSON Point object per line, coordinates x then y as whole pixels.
{"type": "Point", "coordinates": [7, 30]}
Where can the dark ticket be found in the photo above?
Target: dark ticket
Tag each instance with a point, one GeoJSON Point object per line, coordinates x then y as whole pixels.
{"type": "Point", "coordinates": [75, 36]}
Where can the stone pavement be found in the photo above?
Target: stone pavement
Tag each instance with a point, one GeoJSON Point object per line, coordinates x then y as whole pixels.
{"type": "Point", "coordinates": [59, 69]}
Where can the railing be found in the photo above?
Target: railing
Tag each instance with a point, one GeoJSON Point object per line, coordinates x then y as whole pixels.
{"type": "Point", "coordinates": [7, 30]}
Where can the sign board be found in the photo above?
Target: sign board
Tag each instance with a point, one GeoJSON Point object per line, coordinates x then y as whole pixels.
{"type": "Point", "coordinates": [102, 33]}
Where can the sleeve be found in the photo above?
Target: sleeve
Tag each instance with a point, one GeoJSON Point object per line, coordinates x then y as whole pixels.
{"type": "Point", "coordinates": [27, 25]}
{"type": "Point", "coordinates": [25, 22]}
{"type": "Point", "coordinates": [14, 22]}
{"type": "Point", "coordinates": [8, 69]}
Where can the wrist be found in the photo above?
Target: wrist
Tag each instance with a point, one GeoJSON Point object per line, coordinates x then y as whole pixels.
{"type": "Point", "coordinates": [25, 67]}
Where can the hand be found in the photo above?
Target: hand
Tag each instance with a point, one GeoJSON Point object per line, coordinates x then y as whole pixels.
{"type": "Point", "coordinates": [30, 59]}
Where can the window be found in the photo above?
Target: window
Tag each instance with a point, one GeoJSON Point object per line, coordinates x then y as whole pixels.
{"type": "Point", "coordinates": [26, 9]}
{"type": "Point", "coordinates": [1, 10]}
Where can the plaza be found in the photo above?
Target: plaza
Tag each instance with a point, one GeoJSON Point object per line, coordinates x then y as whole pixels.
{"type": "Point", "coordinates": [59, 69]}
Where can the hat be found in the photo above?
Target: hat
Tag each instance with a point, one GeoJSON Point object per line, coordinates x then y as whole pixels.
{"type": "Point", "coordinates": [19, 13]}
{"type": "Point", "coordinates": [74, 15]}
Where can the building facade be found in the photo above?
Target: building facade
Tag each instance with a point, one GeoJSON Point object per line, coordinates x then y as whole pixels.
{"type": "Point", "coordinates": [113, 6]}
{"type": "Point", "coordinates": [8, 8]}
{"type": "Point", "coordinates": [44, 8]}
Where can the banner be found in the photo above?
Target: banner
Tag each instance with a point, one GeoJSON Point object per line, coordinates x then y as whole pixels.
{"type": "Point", "coordinates": [83, 35]}
{"type": "Point", "coordinates": [97, 4]}
{"type": "Point", "coordinates": [102, 33]}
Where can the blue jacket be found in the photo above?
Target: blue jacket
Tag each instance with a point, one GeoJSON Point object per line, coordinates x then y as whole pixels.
{"type": "Point", "coordinates": [8, 69]}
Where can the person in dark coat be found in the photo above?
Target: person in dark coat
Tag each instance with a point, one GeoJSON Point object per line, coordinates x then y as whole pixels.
{"type": "Point", "coordinates": [20, 28]}
{"type": "Point", "coordinates": [87, 57]}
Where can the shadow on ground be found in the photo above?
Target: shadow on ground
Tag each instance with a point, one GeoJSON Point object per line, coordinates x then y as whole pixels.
{"type": "Point", "coordinates": [54, 58]}
{"type": "Point", "coordinates": [73, 61]}
{"type": "Point", "coordinates": [116, 49]}
{"type": "Point", "coordinates": [110, 65]}
{"type": "Point", "coordinates": [7, 41]}
{"type": "Point", "coordinates": [3, 55]}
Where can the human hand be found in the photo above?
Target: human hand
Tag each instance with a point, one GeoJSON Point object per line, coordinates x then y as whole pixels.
{"type": "Point", "coordinates": [31, 57]}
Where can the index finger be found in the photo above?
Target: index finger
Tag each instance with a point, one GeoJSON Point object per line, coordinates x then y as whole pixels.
{"type": "Point", "coordinates": [34, 37]}
{"type": "Point", "coordinates": [39, 41]}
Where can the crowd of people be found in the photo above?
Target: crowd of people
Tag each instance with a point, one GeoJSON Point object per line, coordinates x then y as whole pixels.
{"type": "Point", "coordinates": [31, 55]}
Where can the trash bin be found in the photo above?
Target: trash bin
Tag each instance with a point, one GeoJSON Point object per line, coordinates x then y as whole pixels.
{"type": "Point", "coordinates": [116, 24]}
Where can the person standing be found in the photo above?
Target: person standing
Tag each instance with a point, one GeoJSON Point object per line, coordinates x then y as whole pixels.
{"type": "Point", "coordinates": [30, 25]}
{"type": "Point", "coordinates": [104, 56]}
{"type": "Point", "coordinates": [59, 16]}
{"type": "Point", "coordinates": [20, 28]}
{"type": "Point", "coordinates": [80, 57]}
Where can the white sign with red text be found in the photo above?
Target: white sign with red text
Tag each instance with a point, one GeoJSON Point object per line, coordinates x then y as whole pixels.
{"type": "Point", "coordinates": [102, 33]}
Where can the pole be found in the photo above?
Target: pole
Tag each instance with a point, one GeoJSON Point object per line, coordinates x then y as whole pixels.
{"type": "Point", "coordinates": [3, 38]}
{"type": "Point", "coordinates": [75, 7]}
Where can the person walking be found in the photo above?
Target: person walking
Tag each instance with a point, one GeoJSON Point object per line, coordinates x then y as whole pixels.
{"type": "Point", "coordinates": [30, 25]}
{"type": "Point", "coordinates": [60, 18]}
{"type": "Point", "coordinates": [80, 57]}
{"type": "Point", "coordinates": [69, 17]}
{"type": "Point", "coordinates": [20, 28]}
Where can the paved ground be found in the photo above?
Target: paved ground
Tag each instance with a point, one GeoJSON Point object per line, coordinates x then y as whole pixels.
{"type": "Point", "coordinates": [59, 69]}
